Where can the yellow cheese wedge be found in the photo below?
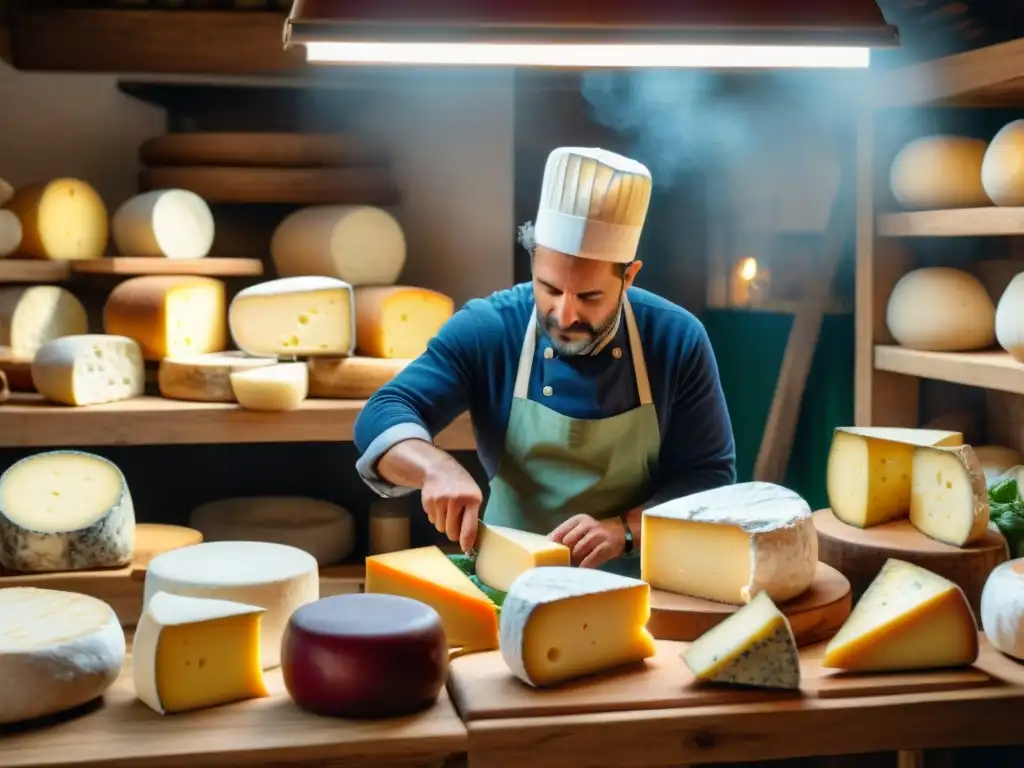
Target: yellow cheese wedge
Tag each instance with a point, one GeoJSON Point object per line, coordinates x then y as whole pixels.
{"type": "Point", "coordinates": [426, 574]}
{"type": "Point", "coordinates": [275, 388]}
{"type": "Point", "coordinates": [949, 501]}
{"type": "Point", "coordinates": [399, 321]}
{"type": "Point", "coordinates": [909, 618]}
{"type": "Point", "coordinates": [869, 471]}
{"type": "Point", "coordinates": [505, 553]}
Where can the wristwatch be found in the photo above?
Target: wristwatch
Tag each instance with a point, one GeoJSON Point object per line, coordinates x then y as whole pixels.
{"type": "Point", "coordinates": [629, 535]}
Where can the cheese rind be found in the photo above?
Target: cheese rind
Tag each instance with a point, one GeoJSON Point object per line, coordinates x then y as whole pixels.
{"type": "Point", "coordinates": [503, 554]}
{"type": "Point", "coordinates": [89, 369]}
{"type": "Point", "coordinates": [939, 309]}
{"type": "Point", "coordinates": [167, 223]}
{"type": "Point", "coordinates": [190, 653]}
{"type": "Point", "coordinates": [949, 498]}
{"type": "Point", "coordinates": [731, 543]}
{"type": "Point", "coordinates": [205, 378]}
{"type": "Point", "coordinates": [908, 618]}
{"type": "Point", "coordinates": [351, 378]}
{"type": "Point", "coordinates": [561, 623]}
{"type": "Point", "coordinates": [308, 316]}
{"type": "Point", "coordinates": [271, 576]}
{"type": "Point", "coordinates": [324, 530]}
{"type": "Point", "coordinates": [754, 646]}
{"type": "Point", "coordinates": [1002, 608]}
{"type": "Point", "coordinates": [10, 233]}
{"type": "Point", "coordinates": [426, 574]}
{"type": "Point", "coordinates": [869, 471]}
{"type": "Point", "coordinates": [31, 316]}
{"type": "Point", "coordinates": [58, 650]}
{"type": "Point", "coordinates": [152, 539]}
{"type": "Point", "coordinates": [281, 387]}
{"type": "Point", "coordinates": [63, 219]}
{"type": "Point", "coordinates": [399, 321]}
{"type": "Point", "coordinates": [168, 315]}
{"type": "Point", "coordinates": [65, 511]}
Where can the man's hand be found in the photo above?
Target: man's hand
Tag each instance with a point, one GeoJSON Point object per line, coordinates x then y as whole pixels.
{"type": "Point", "coordinates": [593, 542]}
{"type": "Point", "coordinates": [451, 499]}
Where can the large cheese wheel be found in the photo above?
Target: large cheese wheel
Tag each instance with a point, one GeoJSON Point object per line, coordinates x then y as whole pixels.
{"type": "Point", "coordinates": [171, 223]}
{"type": "Point", "coordinates": [31, 316]}
{"type": "Point", "coordinates": [399, 321]}
{"type": "Point", "coordinates": [1002, 172]}
{"type": "Point", "coordinates": [361, 245]}
{"type": "Point", "coordinates": [941, 310]}
{"type": "Point", "coordinates": [63, 219]}
{"type": "Point", "coordinates": [10, 233]}
{"type": "Point", "coordinates": [1010, 319]}
{"type": "Point", "coordinates": [939, 172]}
{"type": "Point", "coordinates": [205, 378]}
{"type": "Point", "coordinates": [351, 378]}
{"type": "Point", "coordinates": [89, 369]}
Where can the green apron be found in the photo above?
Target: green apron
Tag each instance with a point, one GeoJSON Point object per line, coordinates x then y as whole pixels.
{"type": "Point", "coordinates": [554, 467]}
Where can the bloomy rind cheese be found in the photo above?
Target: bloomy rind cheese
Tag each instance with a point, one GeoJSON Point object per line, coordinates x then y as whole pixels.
{"type": "Point", "coordinates": [351, 378]}
{"type": "Point", "coordinates": [503, 554]}
{"type": "Point", "coordinates": [164, 223]}
{"type": "Point", "coordinates": [281, 387]}
{"type": "Point", "coordinates": [949, 498]}
{"type": "Point", "coordinates": [399, 321]}
{"type": "Point", "coordinates": [32, 488]}
{"type": "Point", "coordinates": [58, 650]}
{"type": "Point", "coordinates": [63, 219]}
{"type": "Point", "coordinates": [89, 369]}
{"type": "Point", "coordinates": [30, 316]}
{"type": "Point", "coordinates": [1002, 608]}
{"type": "Point", "coordinates": [205, 378]}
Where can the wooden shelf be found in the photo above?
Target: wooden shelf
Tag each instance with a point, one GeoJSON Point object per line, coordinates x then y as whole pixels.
{"type": "Point", "coordinates": [27, 421]}
{"type": "Point", "coordinates": [956, 222]}
{"type": "Point", "coordinates": [988, 370]}
{"type": "Point", "coordinates": [33, 271]}
{"type": "Point", "coordinates": [124, 265]}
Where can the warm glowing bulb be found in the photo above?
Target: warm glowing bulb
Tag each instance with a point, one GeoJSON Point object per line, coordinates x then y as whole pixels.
{"type": "Point", "coordinates": [748, 269]}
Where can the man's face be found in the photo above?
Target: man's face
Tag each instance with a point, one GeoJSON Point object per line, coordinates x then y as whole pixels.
{"type": "Point", "coordinates": [578, 300]}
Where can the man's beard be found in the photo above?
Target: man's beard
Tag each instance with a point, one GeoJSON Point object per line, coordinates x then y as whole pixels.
{"type": "Point", "coordinates": [591, 336]}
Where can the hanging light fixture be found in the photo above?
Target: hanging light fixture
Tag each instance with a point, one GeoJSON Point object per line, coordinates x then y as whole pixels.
{"type": "Point", "coordinates": [591, 33]}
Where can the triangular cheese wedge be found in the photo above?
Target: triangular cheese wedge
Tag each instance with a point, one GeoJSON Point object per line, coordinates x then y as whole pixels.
{"type": "Point", "coordinates": [505, 553]}
{"type": "Point", "coordinates": [949, 501]}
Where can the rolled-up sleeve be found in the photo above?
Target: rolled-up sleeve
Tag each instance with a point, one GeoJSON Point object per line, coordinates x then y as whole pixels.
{"type": "Point", "coordinates": [423, 399]}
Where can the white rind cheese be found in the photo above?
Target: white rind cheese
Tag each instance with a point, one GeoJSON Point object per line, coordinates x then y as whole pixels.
{"type": "Point", "coordinates": [949, 496]}
{"type": "Point", "coordinates": [58, 650]}
{"type": "Point", "coordinates": [167, 223]}
{"type": "Point", "coordinates": [31, 316]}
{"type": "Point", "coordinates": [324, 530]}
{"type": "Point", "coordinates": [10, 233]}
{"type": "Point", "coordinates": [65, 511]}
{"type": "Point", "coordinates": [205, 378]}
{"type": "Point", "coordinates": [731, 543]}
{"type": "Point", "coordinates": [89, 369]}
{"type": "Point", "coordinates": [1010, 318]}
{"type": "Point", "coordinates": [1002, 608]}
{"type": "Point", "coordinates": [281, 387]}
{"type": "Point", "coordinates": [273, 576]}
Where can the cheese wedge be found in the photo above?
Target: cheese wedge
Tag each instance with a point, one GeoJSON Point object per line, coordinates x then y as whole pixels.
{"type": "Point", "coordinates": [909, 618]}
{"type": "Point", "coordinates": [754, 646]}
{"type": "Point", "coordinates": [949, 501]}
{"type": "Point", "coordinates": [281, 387]}
{"type": "Point", "coordinates": [395, 321]}
{"type": "Point", "coordinates": [869, 471]}
{"type": "Point", "coordinates": [426, 574]}
{"type": "Point", "coordinates": [505, 553]}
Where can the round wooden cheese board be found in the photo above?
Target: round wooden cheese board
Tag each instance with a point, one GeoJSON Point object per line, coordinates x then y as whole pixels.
{"type": "Point", "coordinates": [861, 552]}
{"type": "Point", "coordinates": [816, 615]}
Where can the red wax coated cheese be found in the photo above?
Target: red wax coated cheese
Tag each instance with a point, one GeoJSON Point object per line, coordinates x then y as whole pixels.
{"type": "Point", "coordinates": [364, 656]}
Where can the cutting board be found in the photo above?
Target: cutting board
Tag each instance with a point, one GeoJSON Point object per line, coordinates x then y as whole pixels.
{"type": "Point", "coordinates": [483, 688]}
{"type": "Point", "coordinates": [815, 615]}
{"type": "Point", "coordinates": [285, 150]}
{"type": "Point", "coordinates": [860, 553]}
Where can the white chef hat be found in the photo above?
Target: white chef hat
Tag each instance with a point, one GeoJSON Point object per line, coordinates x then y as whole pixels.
{"type": "Point", "coordinates": [593, 204]}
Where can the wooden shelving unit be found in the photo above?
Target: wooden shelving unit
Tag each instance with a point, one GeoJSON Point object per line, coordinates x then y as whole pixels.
{"type": "Point", "coordinates": [126, 266]}
{"type": "Point", "coordinates": [33, 271]}
{"type": "Point", "coordinates": [888, 377]}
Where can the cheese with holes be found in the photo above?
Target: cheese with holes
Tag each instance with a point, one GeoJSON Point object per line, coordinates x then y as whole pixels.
{"type": "Point", "coordinates": [949, 495]}
{"type": "Point", "coordinates": [205, 378]}
{"type": "Point", "coordinates": [351, 378]}
{"type": "Point", "coordinates": [277, 388]}
{"type": "Point", "coordinates": [359, 244]}
{"type": "Point", "coordinates": [995, 460]}
{"type": "Point", "coordinates": [10, 233]}
{"type": "Point", "coordinates": [940, 172]}
{"type": "Point", "coordinates": [58, 650]}
{"type": "Point", "coordinates": [152, 539]}
{"type": "Point", "coordinates": [562, 623]}
{"type": "Point", "coordinates": [63, 219]}
{"type": "Point", "coordinates": [399, 321]}
{"type": "Point", "coordinates": [908, 618]}
{"type": "Point", "coordinates": [503, 554]}
{"type": "Point", "coordinates": [754, 646]}
{"type": "Point", "coordinates": [89, 369]}
{"type": "Point", "coordinates": [1010, 318]}
{"type": "Point", "coordinates": [939, 309]}
{"type": "Point", "coordinates": [31, 316]}
{"type": "Point", "coordinates": [324, 530]}
{"type": "Point", "coordinates": [731, 543]}
{"type": "Point", "coordinates": [1002, 169]}
{"type": "Point", "coordinates": [168, 223]}
{"type": "Point", "coordinates": [1002, 608]}
{"type": "Point", "coordinates": [169, 315]}
{"type": "Point", "coordinates": [272, 576]}
{"type": "Point", "coordinates": [868, 478]}
{"type": "Point", "coordinates": [308, 316]}
{"type": "Point", "coordinates": [191, 653]}
{"type": "Point", "coordinates": [65, 511]}
{"type": "Point", "coordinates": [426, 574]}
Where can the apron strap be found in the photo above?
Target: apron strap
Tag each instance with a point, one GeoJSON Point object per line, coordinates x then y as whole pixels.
{"type": "Point", "coordinates": [529, 349]}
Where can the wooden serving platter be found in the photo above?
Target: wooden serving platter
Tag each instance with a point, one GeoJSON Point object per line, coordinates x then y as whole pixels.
{"type": "Point", "coordinates": [483, 688]}
{"type": "Point", "coordinates": [814, 616]}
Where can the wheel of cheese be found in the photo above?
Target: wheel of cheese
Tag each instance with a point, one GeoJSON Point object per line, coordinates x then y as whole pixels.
{"type": "Point", "coordinates": [205, 378]}
{"type": "Point", "coordinates": [1002, 172]}
{"type": "Point", "coordinates": [364, 656]}
{"type": "Point", "coordinates": [33, 315]}
{"type": "Point", "coordinates": [324, 530]}
{"type": "Point", "coordinates": [996, 460]}
{"type": "Point", "coordinates": [399, 321]}
{"type": "Point", "coordinates": [10, 233]}
{"type": "Point", "coordinates": [939, 172]}
{"type": "Point", "coordinates": [361, 245]}
{"type": "Point", "coordinates": [169, 223]}
{"type": "Point", "coordinates": [1002, 608]}
{"type": "Point", "coordinates": [152, 539]}
{"type": "Point", "coordinates": [1010, 319]}
{"type": "Point", "coordinates": [63, 219]}
{"type": "Point", "coordinates": [939, 309]}
{"type": "Point", "coordinates": [351, 378]}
